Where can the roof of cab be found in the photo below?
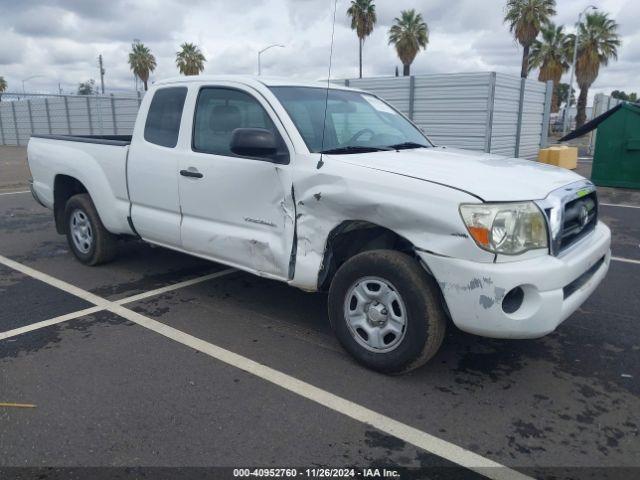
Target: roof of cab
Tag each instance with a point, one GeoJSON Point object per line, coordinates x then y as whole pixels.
{"type": "Point", "coordinates": [251, 80]}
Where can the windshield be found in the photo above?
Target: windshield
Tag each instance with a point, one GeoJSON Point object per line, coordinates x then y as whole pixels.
{"type": "Point", "coordinates": [356, 122]}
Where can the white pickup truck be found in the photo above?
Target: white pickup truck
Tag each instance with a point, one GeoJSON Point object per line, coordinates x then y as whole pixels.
{"type": "Point", "coordinates": [403, 234]}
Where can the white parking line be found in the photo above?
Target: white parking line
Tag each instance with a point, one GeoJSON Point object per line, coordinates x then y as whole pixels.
{"type": "Point", "coordinates": [47, 323]}
{"type": "Point", "coordinates": [418, 438]}
{"type": "Point", "coordinates": [618, 205]}
{"type": "Point", "coordinates": [175, 286]}
{"type": "Point", "coordinates": [14, 193]}
{"type": "Point", "coordinates": [55, 282]}
{"type": "Point", "coordinates": [626, 260]}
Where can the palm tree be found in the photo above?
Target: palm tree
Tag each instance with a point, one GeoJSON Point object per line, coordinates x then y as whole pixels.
{"type": "Point", "coordinates": [598, 43]}
{"type": "Point", "coordinates": [363, 18]}
{"type": "Point", "coordinates": [525, 19]}
{"type": "Point", "coordinates": [190, 60]}
{"type": "Point", "coordinates": [3, 86]}
{"type": "Point", "coordinates": [142, 62]}
{"type": "Point", "coordinates": [409, 34]}
{"type": "Point", "coordinates": [550, 55]}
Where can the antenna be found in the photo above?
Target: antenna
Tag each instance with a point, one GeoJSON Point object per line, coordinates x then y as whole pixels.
{"type": "Point", "coordinates": [326, 100]}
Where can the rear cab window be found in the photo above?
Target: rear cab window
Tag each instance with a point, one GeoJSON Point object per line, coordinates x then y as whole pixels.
{"type": "Point", "coordinates": [163, 119]}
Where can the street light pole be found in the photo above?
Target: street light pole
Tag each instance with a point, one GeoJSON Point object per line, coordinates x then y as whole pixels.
{"type": "Point", "coordinates": [573, 69]}
{"type": "Point", "coordinates": [264, 50]}
{"type": "Point", "coordinates": [29, 78]}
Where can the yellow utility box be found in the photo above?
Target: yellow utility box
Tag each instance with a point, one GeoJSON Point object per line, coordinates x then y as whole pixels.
{"type": "Point", "coordinates": [560, 156]}
{"type": "Point", "coordinates": [543, 155]}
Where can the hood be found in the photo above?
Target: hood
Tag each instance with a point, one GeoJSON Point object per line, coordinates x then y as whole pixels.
{"type": "Point", "coordinates": [490, 177]}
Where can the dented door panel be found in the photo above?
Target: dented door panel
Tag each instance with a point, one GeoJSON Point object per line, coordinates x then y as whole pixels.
{"type": "Point", "coordinates": [239, 213]}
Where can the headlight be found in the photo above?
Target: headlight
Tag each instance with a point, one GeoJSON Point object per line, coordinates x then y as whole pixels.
{"type": "Point", "coordinates": [509, 228]}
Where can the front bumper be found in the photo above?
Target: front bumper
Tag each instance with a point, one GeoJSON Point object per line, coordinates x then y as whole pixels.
{"type": "Point", "coordinates": [554, 288]}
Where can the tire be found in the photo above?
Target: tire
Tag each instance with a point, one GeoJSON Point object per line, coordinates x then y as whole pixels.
{"type": "Point", "coordinates": [411, 295]}
{"type": "Point", "coordinates": [93, 244]}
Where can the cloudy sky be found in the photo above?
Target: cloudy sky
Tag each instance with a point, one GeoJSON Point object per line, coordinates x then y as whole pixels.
{"type": "Point", "coordinates": [60, 40]}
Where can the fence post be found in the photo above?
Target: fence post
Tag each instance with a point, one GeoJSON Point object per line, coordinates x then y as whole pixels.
{"type": "Point", "coordinates": [1, 126]}
{"type": "Point", "coordinates": [412, 95]}
{"type": "Point", "coordinates": [113, 115]}
{"type": "Point", "coordinates": [66, 109]}
{"type": "Point", "coordinates": [15, 122]}
{"type": "Point", "coordinates": [99, 106]}
{"type": "Point", "coordinates": [491, 96]}
{"type": "Point", "coordinates": [89, 116]}
{"type": "Point", "coordinates": [30, 117]}
{"type": "Point", "coordinates": [546, 115]}
{"type": "Point", "coordinates": [46, 110]}
{"type": "Point", "coordinates": [523, 86]}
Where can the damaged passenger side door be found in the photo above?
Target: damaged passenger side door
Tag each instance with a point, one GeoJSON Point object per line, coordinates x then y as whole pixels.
{"type": "Point", "coordinates": [237, 208]}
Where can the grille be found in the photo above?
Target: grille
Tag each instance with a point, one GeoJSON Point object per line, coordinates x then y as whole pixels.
{"type": "Point", "coordinates": [579, 218]}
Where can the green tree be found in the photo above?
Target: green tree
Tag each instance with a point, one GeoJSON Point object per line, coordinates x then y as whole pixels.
{"type": "Point", "coordinates": [190, 60]}
{"type": "Point", "coordinates": [363, 18]}
{"type": "Point", "coordinates": [550, 55]}
{"type": "Point", "coordinates": [599, 42]}
{"type": "Point", "coordinates": [525, 19]}
{"type": "Point", "coordinates": [3, 86]}
{"type": "Point", "coordinates": [409, 34]}
{"type": "Point", "coordinates": [87, 88]}
{"type": "Point", "coordinates": [619, 94]}
{"type": "Point", "coordinates": [142, 62]}
{"type": "Point", "coordinates": [622, 95]}
{"type": "Point", "coordinates": [561, 93]}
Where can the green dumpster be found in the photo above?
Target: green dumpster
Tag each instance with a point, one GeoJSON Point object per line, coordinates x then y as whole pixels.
{"type": "Point", "coordinates": [616, 161]}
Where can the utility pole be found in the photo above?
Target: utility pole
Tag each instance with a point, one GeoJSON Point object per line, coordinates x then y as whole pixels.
{"type": "Point", "coordinates": [101, 73]}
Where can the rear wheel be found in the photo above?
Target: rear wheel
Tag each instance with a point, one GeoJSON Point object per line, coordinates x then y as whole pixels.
{"type": "Point", "coordinates": [89, 241]}
{"type": "Point", "coordinates": [386, 311]}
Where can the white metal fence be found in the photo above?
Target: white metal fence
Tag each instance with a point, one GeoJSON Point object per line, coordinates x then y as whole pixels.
{"type": "Point", "coordinates": [487, 111]}
{"type": "Point", "coordinates": [24, 114]}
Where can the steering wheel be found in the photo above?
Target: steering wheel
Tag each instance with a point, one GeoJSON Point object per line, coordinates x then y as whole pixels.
{"type": "Point", "coordinates": [358, 134]}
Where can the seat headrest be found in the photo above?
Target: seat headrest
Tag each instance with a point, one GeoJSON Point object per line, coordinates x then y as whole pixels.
{"type": "Point", "coordinates": [225, 118]}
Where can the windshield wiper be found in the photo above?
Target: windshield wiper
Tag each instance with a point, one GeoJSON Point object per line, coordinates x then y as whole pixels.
{"type": "Point", "coordinates": [406, 145]}
{"type": "Point", "coordinates": [355, 149]}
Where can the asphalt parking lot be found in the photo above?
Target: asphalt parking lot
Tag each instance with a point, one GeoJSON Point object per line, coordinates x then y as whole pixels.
{"type": "Point", "coordinates": [161, 359]}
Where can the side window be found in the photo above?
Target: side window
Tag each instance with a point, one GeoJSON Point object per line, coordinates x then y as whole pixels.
{"type": "Point", "coordinates": [219, 111]}
{"type": "Point", "coordinates": [163, 120]}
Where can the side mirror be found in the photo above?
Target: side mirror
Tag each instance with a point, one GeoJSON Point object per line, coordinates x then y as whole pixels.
{"type": "Point", "coordinates": [253, 142]}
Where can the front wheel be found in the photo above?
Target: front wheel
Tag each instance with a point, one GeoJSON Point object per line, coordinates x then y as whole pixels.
{"type": "Point", "coordinates": [386, 311]}
{"type": "Point", "coordinates": [89, 241]}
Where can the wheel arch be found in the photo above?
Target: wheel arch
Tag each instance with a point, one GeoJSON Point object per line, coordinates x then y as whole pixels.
{"type": "Point", "coordinates": [64, 187]}
{"type": "Point", "coordinates": [352, 237]}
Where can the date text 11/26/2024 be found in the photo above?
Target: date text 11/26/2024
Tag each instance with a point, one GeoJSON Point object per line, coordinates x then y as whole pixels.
{"type": "Point", "coordinates": [316, 473]}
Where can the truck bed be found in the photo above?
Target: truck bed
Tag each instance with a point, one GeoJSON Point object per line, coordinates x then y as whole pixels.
{"type": "Point", "coordinates": [120, 140]}
{"type": "Point", "coordinates": [97, 162]}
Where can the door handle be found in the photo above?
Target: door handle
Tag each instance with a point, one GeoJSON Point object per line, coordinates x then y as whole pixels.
{"type": "Point", "coordinates": [191, 173]}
